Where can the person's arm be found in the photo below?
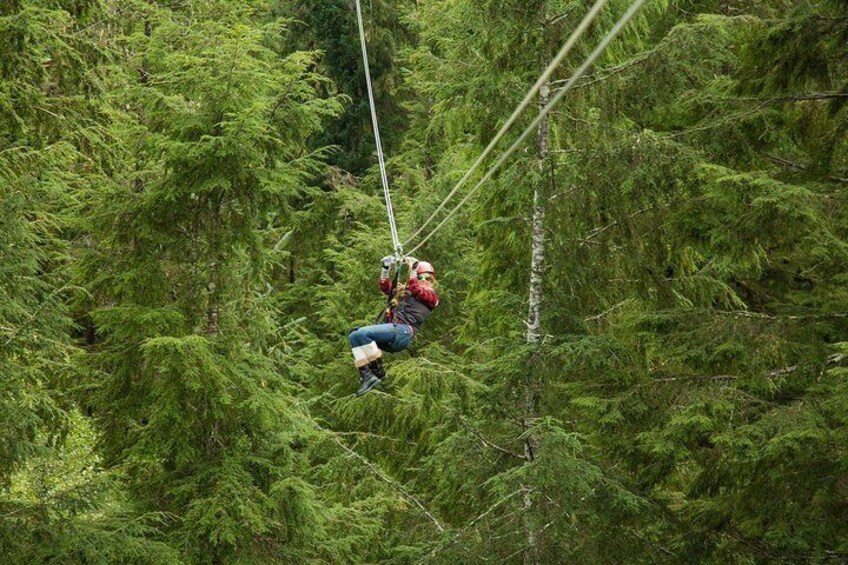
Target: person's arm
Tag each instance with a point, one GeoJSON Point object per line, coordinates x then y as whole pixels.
{"type": "Point", "coordinates": [426, 295]}
{"type": "Point", "coordinates": [385, 268]}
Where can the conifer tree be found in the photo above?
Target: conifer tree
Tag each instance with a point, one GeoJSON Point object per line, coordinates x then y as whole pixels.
{"type": "Point", "coordinates": [54, 507]}
{"type": "Point", "coordinates": [186, 391]}
{"type": "Point", "coordinates": [330, 26]}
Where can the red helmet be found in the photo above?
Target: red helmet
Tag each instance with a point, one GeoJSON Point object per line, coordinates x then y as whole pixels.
{"type": "Point", "coordinates": [425, 267]}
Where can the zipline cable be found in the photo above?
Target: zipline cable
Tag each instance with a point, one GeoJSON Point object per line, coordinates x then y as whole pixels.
{"type": "Point", "coordinates": [625, 19]}
{"type": "Point", "coordinates": [384, 178]}
{"type": "Point", "coordinates": [528, 99]}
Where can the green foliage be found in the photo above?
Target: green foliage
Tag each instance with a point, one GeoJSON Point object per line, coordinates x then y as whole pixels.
{"type": "Point", "coordinates": [190, 403]}
{"type": "Point", "coordinates": [55, 503]}
{"type": "Point", "coordinates": [330, 26]}
{"type": "Point", "coordinates": [694, 269]}
{"type": "Point", "coordinates": [180, 269]}
{"type": "Point", "coordinates": [62, 506]}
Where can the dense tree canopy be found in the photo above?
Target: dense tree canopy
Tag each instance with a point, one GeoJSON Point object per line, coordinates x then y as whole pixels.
{"type": "Point", "coordinates": [193, 221]}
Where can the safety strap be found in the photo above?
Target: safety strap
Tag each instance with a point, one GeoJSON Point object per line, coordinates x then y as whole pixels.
{"type": "Point", "coordinates": [395, 292]}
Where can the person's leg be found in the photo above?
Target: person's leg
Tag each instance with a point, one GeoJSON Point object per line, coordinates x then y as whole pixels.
{"type": "Point", "coordinates": [402, 338]}
{"type": "Point", "coordinates": [367, 343]}
{"type": "Point", "coordinates": [364, 343]}
{"type": "Point", "coordinates": [376, 367]}
{"type": "Point", "coordinates": [366, 346]}
{"type": "Point", "coordinates": [403, 335]}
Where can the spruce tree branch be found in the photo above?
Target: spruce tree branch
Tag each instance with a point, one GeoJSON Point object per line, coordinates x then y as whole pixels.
{"type": "Point", "coordinates": [665, 550]}
{"type": "Point", "coordinates": [785, 162]}
{"type": "Point", "coordinates": [836, 358]}
{"type": "Point", "coordinates": [491, 508]}
{"type": "Point", "coordinates": [488, 443]}
{"type": "Point", "coordinates": [562, 194]}
{"type": "Point", "coordinates": [13, 332]}
{"type": "Point", "coordinates": [762, 316]}
{"type": "Point", "coordinates": [831, 360]}
{"type": "Point", "coordinates": [763, 103]}
{"type": "Point", "coordinates": [695, 378]}
{"type": "Point", "coordinates": [387, 479]}
{"type": "Point", "coordinates": [813, 96]}
{"type": "Point", "coordinates": [608, 311]}
{"type": "Point", "coordinates": [598, 231]}
{"type": "Point", "coordinates": [606, 74]}
{"type": "Point", "coordinates": [470, 525]}
{"type": "Point", "coordinates": [120, 10]}
{"type": "Point", "coordinates": [368, 435]}
{"type": "Point", "coordinates": [784, 371]}
{"type": "Point", "coordinates": [514, 553]}
{"type": "Point", "coordinates": [553, 20]}
{"type": "Point", "coordinates": [56, 495]}
{"type": "Point", "coordinates": [719, 122]}
{"type": "Point", "coordinates": [751, 545]}
{"type": "Point", "coordinates": [827, 19]}
{"type": "Point", "coordinates": [791, 165]}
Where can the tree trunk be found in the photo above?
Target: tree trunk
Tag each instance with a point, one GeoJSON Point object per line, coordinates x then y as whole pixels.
{"type": "Point", "coordinates": [212, 312]}
{"type": "Point", "coordinates": [214, 286]}
{"type": "Point", "coordinates": [144, 79]}
{"type": "Point", "coordinates": [537, 257]}
{"type": "Point", "coordinates": [534, 328]}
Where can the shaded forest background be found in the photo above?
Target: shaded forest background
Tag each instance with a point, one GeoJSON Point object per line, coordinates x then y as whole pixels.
{"type": "Point", "coordinates": [192, 221]}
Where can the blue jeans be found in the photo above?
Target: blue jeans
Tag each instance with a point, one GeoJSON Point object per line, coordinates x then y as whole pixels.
{"type": "Point", "coordinates": [388, 337]}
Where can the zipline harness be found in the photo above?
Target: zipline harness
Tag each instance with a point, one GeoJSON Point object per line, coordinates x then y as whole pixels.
{"type": "Point", "coordinates": [549, 70]}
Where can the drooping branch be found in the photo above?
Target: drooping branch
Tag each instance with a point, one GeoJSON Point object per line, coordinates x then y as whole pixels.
{"type": "Point", "coordinates": [606, 74]}
{"type": "Point", "coordinates": [792, 165]}
{"type": "Point", "coordinates": [762, 316]}
{"type": "Point", "coordinates": [488, 443]}
{"type": "Point", "coordinates": [696, 378]}
{"type": "Point", "coordinates": [598, 231]}
{"type": "Point", "coordinates": [385, 478]}
{"type": "Point", "coordinates": [473, 523]}
{"type": "Point", "coordinates": [813, 96]}
{"type": "Point", "coordinates": [832, 360]}
{"type": "Point", "coordinates": [608, 311]}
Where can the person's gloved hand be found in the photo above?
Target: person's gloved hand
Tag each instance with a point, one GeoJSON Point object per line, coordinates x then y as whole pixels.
{"type": "Point", "coordinates": [412, 262]}
{"type": "Point", "coordinates": [386, 266]}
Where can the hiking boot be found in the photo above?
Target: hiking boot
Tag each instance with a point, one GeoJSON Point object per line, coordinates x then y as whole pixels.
{"type": "Point", "coordinates": [376, 367]}
{"type": "Point", "coordinates": [367, 380]}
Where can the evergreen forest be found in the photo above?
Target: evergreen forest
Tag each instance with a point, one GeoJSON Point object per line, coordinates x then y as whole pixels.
{"type": "Point", "coordinates": [640, 354]}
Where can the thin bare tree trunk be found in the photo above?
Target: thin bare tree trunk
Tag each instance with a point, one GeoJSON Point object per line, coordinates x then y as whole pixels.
{"type": "Point", "coordinates": [212, 313]}
{"type": "Point", "coordinates": [537, 257]}
{"type": "Point", "coordinates": [214, 286]}
{"type": "Point", "coordinates": [534, 328]}
{"type": "Point", "coordinates": [144, 79]}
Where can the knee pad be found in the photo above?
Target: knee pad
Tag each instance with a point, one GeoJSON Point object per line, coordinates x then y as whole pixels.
{"type": "Point", "coordinates": [364, 354]}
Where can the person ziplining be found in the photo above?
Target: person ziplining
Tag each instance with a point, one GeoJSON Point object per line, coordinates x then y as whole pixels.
{"type": "Point", "coordinates": [409, 306]}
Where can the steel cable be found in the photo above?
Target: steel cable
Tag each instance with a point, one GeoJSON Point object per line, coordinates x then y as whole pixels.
{"type": "Point", "coordinates": [613, 33]}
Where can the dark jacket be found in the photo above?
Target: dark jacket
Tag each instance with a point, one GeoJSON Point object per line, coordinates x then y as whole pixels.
{"type": "Point", "coordinates": [414, 304]}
